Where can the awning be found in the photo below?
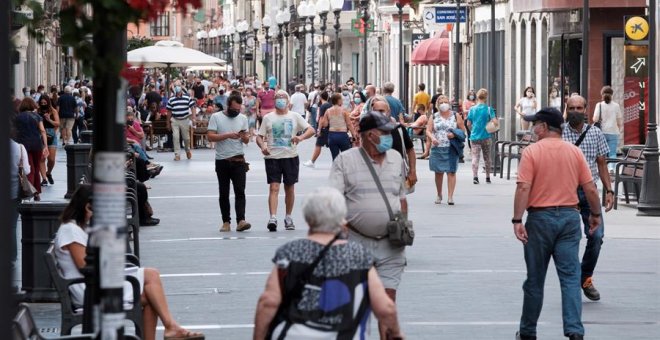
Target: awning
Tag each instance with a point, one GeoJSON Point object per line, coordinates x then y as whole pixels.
{"type": "Point", "coordinates": [432, 51]}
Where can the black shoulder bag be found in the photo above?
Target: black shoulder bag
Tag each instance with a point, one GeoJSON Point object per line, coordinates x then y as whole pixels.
{"type": "Point", "coordinates": [399, 228]}
{"type": "Point", "coordinates": [289, 296]}
{"type": "Point", "coordinates": [584, 134]}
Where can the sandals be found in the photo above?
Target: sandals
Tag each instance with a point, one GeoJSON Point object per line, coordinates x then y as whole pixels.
{"type": "Point", "coordinates": [187, 335]}
{"type": "Point", "coordinates": [438, 200]}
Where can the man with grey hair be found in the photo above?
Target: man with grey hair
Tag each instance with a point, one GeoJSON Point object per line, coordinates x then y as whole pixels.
{"type": "Point", "coordinates": [178, 119]}
{"type": "Point", "coordinates": [278, 136]}
{"type": "Point", "coordinates": [368, 215]}
{"type": "Point", "coordinates": [396, 108]}
{"type": "Point", "coordinates": [67, 106]}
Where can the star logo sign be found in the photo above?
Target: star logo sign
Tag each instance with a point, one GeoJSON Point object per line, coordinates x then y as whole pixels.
{"type": "Point", "coordinates": [637, 28]}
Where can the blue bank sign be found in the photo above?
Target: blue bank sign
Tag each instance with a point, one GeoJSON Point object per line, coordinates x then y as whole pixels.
{"type": "Point", "coordinates": [446, 14]}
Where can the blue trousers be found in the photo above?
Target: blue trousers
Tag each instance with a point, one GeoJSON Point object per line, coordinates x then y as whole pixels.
{"type": "Point", "coordinates": [553, 233]}
{"type": "Point", "coordinates": [594, 242]}
{"type": "Point", "coordinates": [338, 142]}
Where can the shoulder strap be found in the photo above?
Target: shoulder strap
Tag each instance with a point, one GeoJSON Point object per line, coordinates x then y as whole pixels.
{"type": "Point", "coordinates": [403, 146]}
{"type": "Point", "coordinates": [584, 134]}
{"type": "Point", "coordinates": [378, 184]}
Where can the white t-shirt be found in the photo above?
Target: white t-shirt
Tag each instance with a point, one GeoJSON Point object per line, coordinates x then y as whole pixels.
{"type": "Point", "coordinates": [278, 129]}
{"type": "Point", "coordinates": [313, 101]}
{"type": "Point", "coordinates": [609, 113]}
{"type": "Point", "coordinates": [220, 123]}
{"type": "Point", "coordinates": [556, 103]}
{"type": "Point", "coordinates": [527, 106]}
{"type": "Point", "coordinates": [70, 233]}
{"type": "Point", "coordinates": [298, 101]}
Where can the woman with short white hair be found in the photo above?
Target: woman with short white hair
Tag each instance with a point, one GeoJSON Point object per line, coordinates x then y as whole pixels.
{"type": "Point", "coordinates": [318, 283]}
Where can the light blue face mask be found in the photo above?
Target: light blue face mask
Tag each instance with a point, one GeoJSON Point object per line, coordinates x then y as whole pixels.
{"type": "Point", "coordinates": [177, 89]}
{"type": "Point", "coordinates": [357, 100]}
{"type": "Point", "coordinates": [385, 143]}
{"type": "Point", "coordinates": [280, 103]}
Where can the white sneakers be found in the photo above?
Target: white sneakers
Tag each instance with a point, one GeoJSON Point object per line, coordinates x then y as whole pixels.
{"type": "Point", "coordinates": [309, 164]}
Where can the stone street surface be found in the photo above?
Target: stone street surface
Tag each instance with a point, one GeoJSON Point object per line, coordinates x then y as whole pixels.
{"type": "Point", "coordinates": [464, 275]}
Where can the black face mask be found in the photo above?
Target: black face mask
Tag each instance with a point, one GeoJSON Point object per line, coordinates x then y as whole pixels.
{"type": "Point", "coordinates": [129, 123]}
{"type": "Point", "coordinates": [574, 118]}
{"type": "Point", "coordinates": [44, 107]}
{"type": "Point", "coordinates": [232, 113]}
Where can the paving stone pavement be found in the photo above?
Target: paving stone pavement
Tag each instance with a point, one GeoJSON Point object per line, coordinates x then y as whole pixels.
{"type": "Point", "coordinates": [464, 275]}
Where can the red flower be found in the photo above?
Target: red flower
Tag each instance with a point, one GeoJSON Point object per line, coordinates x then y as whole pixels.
{"type": "Point", "coordinates": [133, 76]}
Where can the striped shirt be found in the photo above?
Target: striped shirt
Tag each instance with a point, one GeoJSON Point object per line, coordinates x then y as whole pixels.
{"type": "Point", "coordinates": [367, 211]}
{"type": "Point", "coordinates": [180, 106]}
{"type": "Point", "coordinates": [593, 145]}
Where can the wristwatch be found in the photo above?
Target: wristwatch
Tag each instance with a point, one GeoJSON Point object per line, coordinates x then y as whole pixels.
{"type": "Point", "coordinates": [516, 220]}
{"type": "Point", "coordinates": [595, 215]}
{"type": "Point", "coordinates": [610, 191]}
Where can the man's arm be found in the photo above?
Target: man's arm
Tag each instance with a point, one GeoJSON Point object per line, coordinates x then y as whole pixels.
{"type": "Point", "coordinates": [604, 175]}
{"type": "Point", "coordinates": [520, 202]}
{"type": "Point", "coordinates": [267, 306]}
{"type": "Point", "coordinates": [591, 192]}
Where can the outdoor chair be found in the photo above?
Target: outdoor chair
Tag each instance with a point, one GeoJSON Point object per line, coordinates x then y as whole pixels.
{"type": "Point", "coordinates": [72, 316]}
{"type": "Point", "coordinates": [500, 146]}
{"type": "Point", "coordinates": [199, 134]}
{"type": "Point", "coordinates": [629, 171]}
{"type": "Point", "coordinates": [158, 129]}
{"type": "Point", "coordinates": [514, 151]}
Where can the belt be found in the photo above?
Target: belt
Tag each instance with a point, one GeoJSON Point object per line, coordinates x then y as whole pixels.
{"type": "Point", "coordinates": [558, 207]}
{"type": "Point", "coordinates": [377, 238]}
{"type": "Point", "coordinates": [181, 118]}
{"type": "Point", "coordinates": [237, 158]}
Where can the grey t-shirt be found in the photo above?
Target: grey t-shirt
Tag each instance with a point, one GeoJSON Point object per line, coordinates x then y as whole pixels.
{"type": "Point", "coordinates": [220, 123]}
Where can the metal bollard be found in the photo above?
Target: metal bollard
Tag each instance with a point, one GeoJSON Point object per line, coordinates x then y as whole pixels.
{"type": "Point", "coordinates": [39, 223]}
{"type": "Point", "coordinates": [77, 163]}
{"type": "Point", "coordinates": [86, 136]}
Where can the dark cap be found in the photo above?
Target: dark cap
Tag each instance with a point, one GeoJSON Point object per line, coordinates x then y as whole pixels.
{"type": "Point", "coordinates": [548, 115]}
{"type": "Point", "coordinates": [376, 120]}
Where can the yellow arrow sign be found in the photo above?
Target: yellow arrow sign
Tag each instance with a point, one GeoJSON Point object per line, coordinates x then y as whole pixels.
{"type": "Point", "coordinates": [637, 28]}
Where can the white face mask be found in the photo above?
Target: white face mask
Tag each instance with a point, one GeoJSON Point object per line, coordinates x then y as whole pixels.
{"type": "Point", "coordinates": [444, 107]}
{"type": "Point", "coordinates": [530, 94]}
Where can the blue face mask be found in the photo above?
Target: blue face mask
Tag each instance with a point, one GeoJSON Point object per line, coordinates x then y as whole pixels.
{"type": "Point", "coordinates": [385, 143]}
{"type": "Point", "coordinates": [280, 103]}
{"type": "Point", "coordinates": [177, 89]}
{"type": "Point", "coordinates": [357, 100]}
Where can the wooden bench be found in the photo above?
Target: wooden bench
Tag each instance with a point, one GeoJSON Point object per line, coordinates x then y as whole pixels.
{"type": "Point", "coordinates": [71, 316]}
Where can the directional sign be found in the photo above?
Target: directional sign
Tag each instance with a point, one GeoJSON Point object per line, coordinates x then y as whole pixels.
{"type": "Point", "coordinates": [636, 61]}
{"type": "Point", "coordinates": [447, 14]}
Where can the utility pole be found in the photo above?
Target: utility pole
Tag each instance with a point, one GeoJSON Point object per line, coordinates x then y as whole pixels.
{"type": "Point", "coordinates": [457, 57]}
{"type": "Point", "coordinates": [584, 86]}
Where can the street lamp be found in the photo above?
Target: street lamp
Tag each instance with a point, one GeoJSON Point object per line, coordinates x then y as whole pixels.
{"type": "Point", "coordinates": [286, 17]}
{"type": "Point", "coordinates": [230, 32]}
{"type": "Point", "coordinates": [364, 6]}
{"type": "Point", "coordinates": [323, 7]}
{"type": "Point", "coordinates": [337, 5]}
{"type": "Point", "coordinates": [311, 14]}
{"type": "Point", "coordinates": [242, 29]}
{"type": "Point", "coordinates": [267, 22]}
{"type": "Point", "coordinates": [256, 26]}
{"type": "Point", "coordinates": [279, 18]}
{"type": "Point", "coordinates": [302, 36]}
{"type": "Point", "coordinates": [400, 4]}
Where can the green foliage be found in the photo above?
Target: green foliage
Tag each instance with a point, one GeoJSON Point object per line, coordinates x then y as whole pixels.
{"type": "Point", "coordinates": [139, 42]}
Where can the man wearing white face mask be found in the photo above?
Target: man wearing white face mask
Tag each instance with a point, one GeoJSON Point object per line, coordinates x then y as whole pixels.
{"type": "Point", "coordinates": [277, 139]}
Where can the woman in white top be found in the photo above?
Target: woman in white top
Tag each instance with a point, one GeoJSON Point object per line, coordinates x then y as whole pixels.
{"type": "Point", "coordinates": [611, 121]}
{"type": "Point", "coordinates": [19, 158]}
{"type": "Point", "coordinates": [555, 100]}
{"type": "Point", "coordinates": [70, 249]}
{"type": "Point", "coordinates": [526, 106]}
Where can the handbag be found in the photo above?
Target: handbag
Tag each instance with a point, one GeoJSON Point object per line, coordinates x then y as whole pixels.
{"type": "Point", "coordinates": [493, 125]}
{"type": "Point", "coordinates": [600, 117]}
{"type": "Point", "coordinates": [399, 229]}
{"type": "Point", "coordinates": [26, 189]}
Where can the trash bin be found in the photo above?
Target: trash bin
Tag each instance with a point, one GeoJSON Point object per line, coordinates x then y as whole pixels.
{"type": "Point", "coordinates": [86, 136]}
{"type": "Point", "coordinates": [77, 163]}
{"type": "Point", "coordinates": [39, 223]}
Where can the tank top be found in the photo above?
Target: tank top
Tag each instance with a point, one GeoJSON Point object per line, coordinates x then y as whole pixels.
{"type": "Point", "coordinates": [47, 124]}
{"type": "Point", "coordinates": [337, 122]}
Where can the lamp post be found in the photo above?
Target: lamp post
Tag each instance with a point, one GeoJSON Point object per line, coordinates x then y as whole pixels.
{"type": "Point", "coordinates": [457, 55]}
{"type": "Point", "coordinates": [311, 15]}
{"type": "Point", "coordinates": [267, 22]}
{"type": "Point", "coordinates": [302, 36]}
{"type": "Point", "coordinates": [242, 29]}
{"type": "Point", "coordinates": [256, 26]}
{"type": "Point", "coordinates": [230, 32]}
{"type": "Point", "coordinates": [279, 18]}
{"type": "Point", "coordinates": [649, 198]}
{"type": "Point", "coordinates": [337, 5]}
{"type": "Point", "coordinates": [286, 17]}
{"type": "Point", "coordinates": [364, 6]}
{"type": "Point", "coordinates": [400, 4]}
{"type": "Point", "coordinates": [323, 8]}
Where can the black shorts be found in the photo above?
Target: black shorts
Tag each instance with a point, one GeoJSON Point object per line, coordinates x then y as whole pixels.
{"type": "Point", "coordinates": [322, 139]}
{"type": "Point", "coordinates": [282, 170]}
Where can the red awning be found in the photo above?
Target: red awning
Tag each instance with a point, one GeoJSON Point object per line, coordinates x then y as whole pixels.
{"type": "Point", "coordinates": [433, 51]}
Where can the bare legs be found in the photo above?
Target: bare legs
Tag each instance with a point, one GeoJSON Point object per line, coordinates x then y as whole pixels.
{"type": "Point", "coordinates": [316, 154]}
{"type": "Point", "coordinates": [272, 198]}
{"type": "Point", "coordinates": [155, 306]}
{"type": "Point", "coordinates": [382, 330]}
{"type": "Point", "coordinates": [438, 183]}
{"type": "Point", "coordinates": [451, 184]}
{"type": "Point", "coordinates": [289, 198]}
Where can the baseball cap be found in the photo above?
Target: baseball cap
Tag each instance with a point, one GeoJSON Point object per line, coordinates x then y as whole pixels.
{"type": "Point", "coordinates": [376, 120]}
{"type": "Point", "coordinates": [548, 115]}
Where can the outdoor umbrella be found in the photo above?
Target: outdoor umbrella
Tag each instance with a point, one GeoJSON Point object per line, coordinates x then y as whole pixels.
{"type": "Point", "coordinates": [433, 51]}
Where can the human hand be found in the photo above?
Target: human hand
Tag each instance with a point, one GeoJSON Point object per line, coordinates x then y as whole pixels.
{"type": "Point", "coordinates": [412, 178]}
{"type": "Point", "coordinates": [435, 141]}
{"type": "Point", "coordinates": [46, 152]}
{"type": "Point", "coordinates": [264, 151]}
{"type": "Point", "coordinates": [450, 135]}
{"type": "Point", "coordinates": [296, 139]}
{"type": "Point", "coordinates": [520, 232]}
{"type": "Point", "coordinates": [609, 201]}
{"type": "Point", "coordinates": [594, 223]}
{"type": "Point", "coordinates": [169, 127]}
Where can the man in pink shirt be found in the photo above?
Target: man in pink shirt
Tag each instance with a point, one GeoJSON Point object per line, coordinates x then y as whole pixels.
{"type": "Point", "coordinates": [550, 171]}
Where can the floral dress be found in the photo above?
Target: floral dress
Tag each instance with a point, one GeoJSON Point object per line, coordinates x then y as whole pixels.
{"type": "Point", "coordinates": [441, 160]}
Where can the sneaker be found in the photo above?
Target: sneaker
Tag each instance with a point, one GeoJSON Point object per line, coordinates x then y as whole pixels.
{"type": "Point", "coordinates": [488, 180]}
{"type": "Point", "coordinates": [189, 154]}
{"type": "Point", "coordinates": [243, 226]}
{"type": "Point", "coordinates": [44, 183]}
{"type": "Point", "coordinates": [309, 164]}
{"type": "Point", "coordinates": [177, 157]}
{"type": "Point", "coordinates": [576, 337]}
{"type": "Point", "coordinates": [272, 224]}
{"type": "Point", "coordinates": [149, 222]}
{"type": "Point", "coordinates": [438, 200]}
{"type": "Point", "coordinates": [50, 179]}
{"type": "Point", "coordinates": [589, 290]}
{"type": "Point", "coordinates": [524, 337]}
{"type": "Point", "coordinates": [475, 180]}
{"type": "Point", "coordinates": [226, 227]}
{"type": "Point", "coordinates": [288, 224]}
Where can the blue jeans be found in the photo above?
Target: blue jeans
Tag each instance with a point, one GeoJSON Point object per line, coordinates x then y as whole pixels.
{"type": "Point", "coordinates": [613, 143]}
{"type": "Point", "coordinates": [137, 148]}
{"type": "Point", "coordinates": [312, 117]}
{"type": "Point", "coordinates": [338, 142]}
{"type": "Point", "coordinates": [553, 233]}
{"type": "Point", "coordinates": [594, 242]}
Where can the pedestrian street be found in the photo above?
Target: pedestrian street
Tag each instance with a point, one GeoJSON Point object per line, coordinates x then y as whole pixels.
{"type": "Point", "coordinates": [463, 279]}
